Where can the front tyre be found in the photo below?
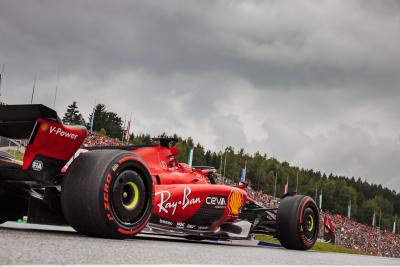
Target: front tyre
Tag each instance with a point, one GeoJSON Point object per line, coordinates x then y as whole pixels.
{"type": "Point", "coordinates": [107, 193]}
{"type": "Point", "coordinates": [297, 222]}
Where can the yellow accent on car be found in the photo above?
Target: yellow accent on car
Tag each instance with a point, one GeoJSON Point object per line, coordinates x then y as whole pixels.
{"type": "Point", "coordinates": [310, 223]}
{"type": "Point", "coordinates": [235, 202]}
{"type": "Point", "coordinates": [44, 127]}
{"type": "Point", "coordinates": [135, 200]}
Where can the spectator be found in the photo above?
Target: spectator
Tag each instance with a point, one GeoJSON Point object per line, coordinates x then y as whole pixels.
{"type": "Point", "coordinates": [95, 139]}
{"type": "Point", "coordinates": [373, 241]}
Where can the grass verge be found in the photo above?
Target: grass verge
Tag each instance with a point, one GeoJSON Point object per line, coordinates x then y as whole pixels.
{"type": "Point", "coordinates": [319, 246]}
{"type": "Point", "coordinates": [17, 154]}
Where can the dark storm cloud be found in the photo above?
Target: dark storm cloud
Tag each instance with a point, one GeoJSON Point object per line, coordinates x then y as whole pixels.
{"type": "Point", "coordinates": [299, 80]}
{"type": "Point", "coordinates": [286, 49]}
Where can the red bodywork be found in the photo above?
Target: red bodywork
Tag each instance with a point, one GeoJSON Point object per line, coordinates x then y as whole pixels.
{"type": "Point", "coordinates": [186, 200]}
{"type": "Point", "coordinates": [184, 197]}
{"type": "Point", "coordinates": [63, 140]}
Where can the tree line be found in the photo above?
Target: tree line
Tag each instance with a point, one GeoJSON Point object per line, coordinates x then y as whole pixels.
{"type": "Point", "coordinates": [100, 120]}
{"type": "Point", "coordinates": [337, 191]}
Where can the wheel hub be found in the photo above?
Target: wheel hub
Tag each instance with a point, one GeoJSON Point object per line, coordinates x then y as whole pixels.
{"type": "Point", "coordinates": [128, 197]}
{"type": "Point", "coordinates": [310, 223]}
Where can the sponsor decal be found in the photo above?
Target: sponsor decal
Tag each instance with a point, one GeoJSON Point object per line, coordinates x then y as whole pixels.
{"type": "Point", "coordinates": [218, 202]}
{"type": "Point", "coordinates": [60, 132]}
{"type": "Point", "coordinates": [183, 225]}
{"type": "Point", "coordinates": [115, 167]}
{"type": "Point", "coordinates": [162, 221]}
{"type": "Point", "coordinates": [235, 202]}
{"type": "Point", "coordinates": [180, 225]}
{"type": "Point", "coordinates": [106, 197]}
{"type": "Point", "coordinates": [44, 127]}
{"type": "Point", "coordinates": [191, 226]}
{"type": "Point", "coordinates": [168, 206]}
{"type": "Point", "coordinates": [37, 165]}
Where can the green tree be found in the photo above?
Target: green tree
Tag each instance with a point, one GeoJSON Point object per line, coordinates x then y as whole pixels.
{"type": "Point", "coordinates": [103, 131]}
{"type": "Point", "coordinates": [109, 121]}
{"type": "Point", "coordinates": [72, 116]}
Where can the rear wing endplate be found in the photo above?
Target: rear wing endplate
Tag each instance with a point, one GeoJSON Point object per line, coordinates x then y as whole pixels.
{"type": "Point", "coordinates": [18, 121]}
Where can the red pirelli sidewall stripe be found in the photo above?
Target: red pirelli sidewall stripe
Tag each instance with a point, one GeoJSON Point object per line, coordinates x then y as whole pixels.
{"type": "Point", "coordinates": [302, 209]}
{"type": "Point", "coordinates": [302, 237]}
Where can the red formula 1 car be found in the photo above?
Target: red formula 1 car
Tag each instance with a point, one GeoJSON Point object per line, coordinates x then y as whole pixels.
{"type": "Point", "coordinates": [118, 192]}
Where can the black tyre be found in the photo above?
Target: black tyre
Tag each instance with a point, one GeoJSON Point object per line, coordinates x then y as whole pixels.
{"type": "Point", "coordinates": [107, 193]}
{"type": "Point", "coordinates": [297, 222]}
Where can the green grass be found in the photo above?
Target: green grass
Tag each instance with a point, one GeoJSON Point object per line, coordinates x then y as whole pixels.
{"type": "Point", "coordinates": [319, 246]}
{"type": "Point", "coordinates": [15, 153]}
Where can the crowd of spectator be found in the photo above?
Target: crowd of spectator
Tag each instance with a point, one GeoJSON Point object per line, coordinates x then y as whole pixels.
{"type": "Point", "coordinates": [371, 240]}
{"type": "Point", "coordinates": [264, 199]}
{"type": "Point", "coordinates": [347, 232]}
{"type": "Point", "coordinates": [95, 139]}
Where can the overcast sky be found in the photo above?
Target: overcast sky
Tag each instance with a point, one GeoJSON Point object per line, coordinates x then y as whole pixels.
{"type": "Point", "coordinates": [314, 83]}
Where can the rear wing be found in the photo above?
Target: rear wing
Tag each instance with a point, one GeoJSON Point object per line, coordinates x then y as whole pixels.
{"type": "Point", "coordinates": [17, 121]}
{"type": "Point", "coordinates": [51, 144]}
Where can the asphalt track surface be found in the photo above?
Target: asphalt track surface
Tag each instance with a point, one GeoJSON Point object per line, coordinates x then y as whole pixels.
{"type": "Point", "coordinates": [33, 244]}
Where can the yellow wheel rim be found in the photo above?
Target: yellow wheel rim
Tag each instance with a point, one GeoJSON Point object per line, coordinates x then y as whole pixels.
{"type": "Point", "coordinates": [135, 199]}
{"type": "Point", "coordinates": [310, 223]}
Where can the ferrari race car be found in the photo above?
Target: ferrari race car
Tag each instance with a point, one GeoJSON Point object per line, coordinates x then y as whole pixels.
{"type": "Point", "coordinates": [117, 192]}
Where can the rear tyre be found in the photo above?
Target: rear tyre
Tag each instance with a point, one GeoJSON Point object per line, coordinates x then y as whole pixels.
{"type": "Point", "coordinates": [297, 222]}
{"type": "Point", "coordinates": [107, 193]}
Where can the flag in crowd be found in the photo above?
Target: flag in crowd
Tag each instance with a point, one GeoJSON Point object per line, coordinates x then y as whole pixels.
{"type": "Point", "coordinates": [394, 224]}
{"type": "Point", "coordinates": [243, 173]}
{"type": "Point", "coordinates": [190, 157]}
{"type": "Point", "coordinates": [128, 130]}
{"type": "Point", "coordinates": [287, 185]}
{"type": "Point", "coordinates": [91, 122]}
{"type": "Point", "coordinates": [320, 200]}
{"type": "Point", "coordinates": [373, 219]}
{"type": "Point", "coordinates": [123, 137]}
{"type": "Point", "coordinates": [316, 195]}
{"type": "Point", "coordinates": [349, 209]}
{"type": "Point", "coordinates": [276, 178]}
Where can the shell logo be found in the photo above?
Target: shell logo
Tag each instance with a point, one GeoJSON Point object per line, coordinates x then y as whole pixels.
{"type": "Point", "coordinates": [44, 127]}
{"type": "Point", "coordinates": [235, 202]}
